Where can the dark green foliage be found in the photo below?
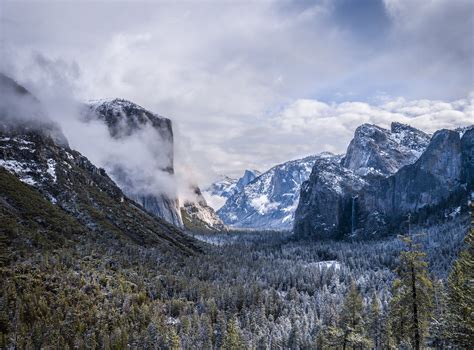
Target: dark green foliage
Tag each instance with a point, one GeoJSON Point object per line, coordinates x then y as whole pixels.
{"type": "Point", "coordinates": [375, 322]}
{"type": "Point", "coordinates": [350, 332]}
{"type": "Point", "coordinates": [27, 216]}
{"type": "Point", "coordinates": [459, 322]}
{"type": "Point", "coordinates": [232, 338]}
{"type": "Point", "coordinates": [411, 306]}
{"type": "Point", "coordinates": [87, 289]}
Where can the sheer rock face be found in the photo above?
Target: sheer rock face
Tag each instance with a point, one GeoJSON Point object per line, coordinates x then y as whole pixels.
{"type": "Point", "coordinates": [198, 216]}
{"type": "Point", "coordinates": [434, 181]}
{"type": "Point", "coordinates": [325, 200]}
{"type": "Point", "coordinates": [467, 146]}
{"type": "Point", "coordinates": [378, 151]}
{"type": "Point", "coordinates": [126, 119]}
{"type": "Point", "coordinates": [36, 152]}
{"type": "Point", "coordinates": [406, 175]}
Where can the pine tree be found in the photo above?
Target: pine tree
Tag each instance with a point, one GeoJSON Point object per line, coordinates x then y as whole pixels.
{"type": "Point", "coordinates": [375, 321]}
{"type": "Point", "coordinates": [412, 300]}
{"type": "Point", "coordinates": [437, 339]}
{"type": "Point", "coordinates": [460, 299]}
{"type": "Point", "coordinates": [233, 339]}
{"type": "Point", "coordinates": [351, 328]}
{"type": "Point", "coordinates": [173, 340]}
{"type": "Point", "coordinates": [294, 340]}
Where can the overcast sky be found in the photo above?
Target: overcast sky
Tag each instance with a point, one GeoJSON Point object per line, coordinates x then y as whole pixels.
{"type": "Point", "coordinates": [249, 84]}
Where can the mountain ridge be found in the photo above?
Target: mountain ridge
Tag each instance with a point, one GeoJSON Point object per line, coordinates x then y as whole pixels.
{"type": "Point", "coordinates": [124, 120]}
{"type": "Point", "coordinates": [69, 181]}
{"type": "Point", "coordinates": [269, 200]}
{"type": "Point", "coordinates": [377, 203]}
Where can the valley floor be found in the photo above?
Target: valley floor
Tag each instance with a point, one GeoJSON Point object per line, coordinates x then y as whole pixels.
{"type": "Point", "coordinates": [256, 290]}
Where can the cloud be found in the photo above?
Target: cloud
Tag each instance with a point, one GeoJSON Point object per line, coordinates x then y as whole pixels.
{"type": "Point", "coordinates": [330, 127]}
{"type": "Point", "coordinates": [432, 46]}
{"type": "Point", "coordinates": [136, 161]}
{"type": "Point", "coordinates": [243, 81]}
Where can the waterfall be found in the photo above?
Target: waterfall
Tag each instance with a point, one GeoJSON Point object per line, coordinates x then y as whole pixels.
{"type": "Point", "coordinates": [353, 215]}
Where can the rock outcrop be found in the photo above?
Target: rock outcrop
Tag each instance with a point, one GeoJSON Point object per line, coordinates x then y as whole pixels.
{"type": "Point", "coordinates": [34, 150]}
{"type": "Point", "coordinates": [378, 151]}
{"type": "Point", "coordinates": [198, 216]}
{"type": "Point", "coordinates": [326, 199]}
{"type": "Point", "coordinates": [384, 177]}
{"type": "Point", "coordinates": [125, 120]}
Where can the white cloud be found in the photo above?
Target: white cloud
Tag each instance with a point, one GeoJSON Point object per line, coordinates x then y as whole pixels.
{"type": "Point", "coordinates": [263, 205]}
{"type": "Point", "coordinates": [214, 201]}
{"type": "Point", "coordinates": [331, 126]}
{"type": "Point", "coordinates": [223, 70]}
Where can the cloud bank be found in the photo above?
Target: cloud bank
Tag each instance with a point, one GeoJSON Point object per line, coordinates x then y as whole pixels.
{"type": "Point", "coordinates": [251, 84]}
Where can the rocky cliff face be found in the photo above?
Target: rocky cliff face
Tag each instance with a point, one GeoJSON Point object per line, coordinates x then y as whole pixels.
{"type": "Point", "coordinates": [385, 176]}
{"type": "Point", "coordinates": [270, 200]}
{"type": "Point", "coordinates": [467, 146]}
{"type": "Point", "coordinates": [326, 198]}
{"type": "Point", "coordinates": [200, 217]}
{"type": "Point", "coordinates": [424, 189]}
{"type": "Point", "coordinates": [125, 120]}
{"type": "Point", "coordinates": [41, 158]}
{"type": "Point", "coordinates": [378, 151]}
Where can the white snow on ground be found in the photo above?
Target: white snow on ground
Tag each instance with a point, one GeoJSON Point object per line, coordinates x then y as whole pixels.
{"type": "Point", "coordinates": [20, 169]}
{"type": "Point", "coordinates": [454, 213]}
{"type": "Point", "coordinates": [52, 169]}
{"type": "Point", "coordinates": [323, 265]}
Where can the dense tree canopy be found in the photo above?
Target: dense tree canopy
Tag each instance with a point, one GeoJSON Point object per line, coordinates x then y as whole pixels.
{"type": "Point", "coordinates": [252, 290]}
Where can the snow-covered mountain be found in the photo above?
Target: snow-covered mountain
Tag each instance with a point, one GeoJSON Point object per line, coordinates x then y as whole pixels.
{"type": "Point", "coordinates": [36, 152]}
{"type": "Point", "coordinates": [386, 175]}
{"type": "Point", "coordinates": [378, 151]}
{"type": "Point", "coordinates": [226, 186]}
{"type": "Point", "coordinates": [270, 200]}
{"type": "Point", "coordinates": [129, 121]}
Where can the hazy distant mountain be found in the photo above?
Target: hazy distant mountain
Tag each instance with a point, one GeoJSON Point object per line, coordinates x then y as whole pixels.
{"type": "Point", "coordinates": [270, 200]}
{"type": "Point", "coordinates": [226, 186]}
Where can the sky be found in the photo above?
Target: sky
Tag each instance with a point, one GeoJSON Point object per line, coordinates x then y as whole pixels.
{"type": "Point", "coordinates": [250, 84]}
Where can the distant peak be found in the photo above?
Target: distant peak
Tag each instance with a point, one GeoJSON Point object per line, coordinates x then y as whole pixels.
{"type": "Point", "coordinates": [248, 172]}
{"type": "Point", "coordinates": [367, 129]}
{"type": "Point", "coordinates": [325, 154]}
{"type": "Point", "coordinates": [397, 127]}
{"type": "Point", "coordinates": [116, 102]}
{"type": "Point", "coordinates": [248, 177]}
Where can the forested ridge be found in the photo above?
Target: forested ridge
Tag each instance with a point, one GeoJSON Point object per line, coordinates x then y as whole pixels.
{"type": "Point", "coordinates": [65, 287]}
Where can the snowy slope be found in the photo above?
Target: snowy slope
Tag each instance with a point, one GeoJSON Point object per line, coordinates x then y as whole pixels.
{"type": "Point", "coordinates": [226, 186]}
{"type": "Point", "coordinates": [378, 151]}
{"type": "Point", "coordinates": [270, 200]}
